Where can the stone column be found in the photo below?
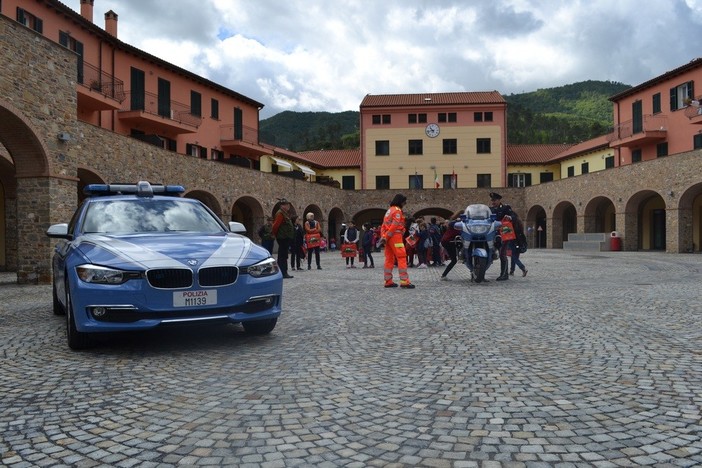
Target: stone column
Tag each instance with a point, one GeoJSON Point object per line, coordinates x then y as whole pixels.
{"type": "Point", "coordinates": [554, 238]}
{"type": "Point", "coordinates": [42, 201]}
{"type": "Point", "coordinates": [628, 227]}
{"type": "Point", "coordinates": [678, 235]}
{"type": "Point", "coordinates": [11, 234]}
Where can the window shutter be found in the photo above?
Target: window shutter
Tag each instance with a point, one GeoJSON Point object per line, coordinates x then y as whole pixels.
{"type": "Point", "coordinates": [203, 152]}
{"type": "Point", "coordinates": [238, 124]}
{"type": "Point", "coordinates": [691, 89]}
{"type": "Point", "coordinates": [81, 71]}
{"type": "Point", "coordinates": [527, 180]}
{"type": "Point", "coordinates": [673, 99]}
{"type": "Point", "coordinates": [196, 103]}
{"type": "Point", "coordinates": [189, 149]}
{"type": "Point", "coordinates": [510, 180]}
{"type": "Point", "coordinates": [215, 109]}
{"type": "Point", "coordinates": [39, 25]}
{"type": "Point", "coordinates": [63, 38]}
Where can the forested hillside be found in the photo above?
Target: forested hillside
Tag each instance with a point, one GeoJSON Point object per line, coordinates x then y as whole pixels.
{"type": "Point", "coordinates": [566, 114]}
{"type": "Point", "coordinates": [302, 131]}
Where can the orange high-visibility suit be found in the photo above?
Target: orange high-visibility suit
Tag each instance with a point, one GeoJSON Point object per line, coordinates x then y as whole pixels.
{"type": "Point", "coordinates": [391, 232]}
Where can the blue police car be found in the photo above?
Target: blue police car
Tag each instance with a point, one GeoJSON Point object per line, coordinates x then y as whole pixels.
{"type": "Point", "coordinates": [139, 256]}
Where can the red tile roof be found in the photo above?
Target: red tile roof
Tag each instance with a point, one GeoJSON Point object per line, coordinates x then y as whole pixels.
{"type": "Point", "coordinates": [330, 159]}
{"type": "Point", "coordinates": [386, 100]}
{"type": "Point", "coordinates": [533, 154]}
{"type": "Point", "coordinates": [695, 63]}
{"type": "Point", "coordinates": [321, 159]}
{"type": "Point", "coordinates": [584, 147]}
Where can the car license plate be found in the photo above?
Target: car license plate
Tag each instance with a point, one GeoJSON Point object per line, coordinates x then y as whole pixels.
{"type": "Point", "coordinates": [204, 297]}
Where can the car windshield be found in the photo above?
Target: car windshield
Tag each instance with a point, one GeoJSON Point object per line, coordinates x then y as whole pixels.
{"type": "Point", "coordinates": [478, 212]}
{"type": "Point", "coordinates": [148, 215]}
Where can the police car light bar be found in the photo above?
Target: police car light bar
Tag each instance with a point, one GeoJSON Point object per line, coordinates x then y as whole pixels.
{"type": "Point", "coordinates": [141, 189]}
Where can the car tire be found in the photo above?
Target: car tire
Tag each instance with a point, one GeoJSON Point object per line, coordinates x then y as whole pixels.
{"type": "Point", "coordinates": [57, 306]}
{"type": "Point", "coordinates": [259, 327]}
{"type": "Point", "coordinates": [76, 340]}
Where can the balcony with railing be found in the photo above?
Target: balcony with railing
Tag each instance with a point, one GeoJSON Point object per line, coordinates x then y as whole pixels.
{"type": "Point", "coordinates": [652, 128]}
{"type": "Point", "coordinates": [242, 141]}
{"type": "Point", "coordinates": [98, 90]}
{"type": "Point", "coordinates": [158, 116]}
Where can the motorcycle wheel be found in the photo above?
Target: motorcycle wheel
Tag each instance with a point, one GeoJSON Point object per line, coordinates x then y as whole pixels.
{"type": "Point", "coordinates": [479, 268]}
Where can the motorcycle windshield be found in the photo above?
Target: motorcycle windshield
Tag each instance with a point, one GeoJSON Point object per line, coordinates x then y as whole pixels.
{"type": "Point", "coordinates": [478, 212]}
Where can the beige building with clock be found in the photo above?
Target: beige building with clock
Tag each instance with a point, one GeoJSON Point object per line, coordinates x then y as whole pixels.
{"type": "Point", "coordinates": [433, 140]}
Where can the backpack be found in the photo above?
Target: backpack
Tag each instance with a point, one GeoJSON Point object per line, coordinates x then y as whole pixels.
{"type": "Point", "coordinates": [521, 242]}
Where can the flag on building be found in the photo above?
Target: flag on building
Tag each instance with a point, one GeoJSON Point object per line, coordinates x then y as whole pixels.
{"type": "Point", "coordinates": [436, 179]}
{"type": "Point", "coordinates": [454, 180]}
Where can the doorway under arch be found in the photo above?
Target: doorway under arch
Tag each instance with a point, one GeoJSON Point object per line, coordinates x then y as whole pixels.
{"type": "Point", "coordinates": [650, 220]}
{"type": "Point", "coordinates": [535, 227]}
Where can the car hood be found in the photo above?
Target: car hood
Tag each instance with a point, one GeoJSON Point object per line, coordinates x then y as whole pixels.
{"type": "Point", "coordinates": [172, 250]}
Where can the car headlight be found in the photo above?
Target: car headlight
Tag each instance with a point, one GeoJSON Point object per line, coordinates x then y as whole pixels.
{"type": "Point", "coordinates": [267, 267]}
{"type": "Point", "coordinates": [103, 275]}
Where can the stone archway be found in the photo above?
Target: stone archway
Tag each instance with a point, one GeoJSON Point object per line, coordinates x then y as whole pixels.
{"type": "Point", "coordinates": [316, 211]}
{"type": "Point", "coordinates": [334, 220]}
{"type": "Point", "coordinates": [86, 177]}
{"type": "Point", "coordinates": [427, 213]}
{"type": "Point", "coordinates": [39, 198]}
{"type": "Point", "coordinates": [8, 215]}
{"type": "Point", "coordinates": [600, 216]}
{"type": "Point", "coordinates": [535, 226]}
{"type": "Point", "coordinates": [646, 221]}
{"type": "Point", "coordinates": [208, 199]}
{"type": "Point", "coordinates": [690, 220]}
{"type": "Point", "coordinates": [564, 222]}
{"type": "Point", "coordinates": [370, 215]}
{"type": "Point", "coordinates": [249, 212]}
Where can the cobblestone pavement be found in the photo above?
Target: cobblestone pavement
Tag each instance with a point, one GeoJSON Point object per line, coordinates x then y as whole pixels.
{"type": "Point", "coordinates": [589, 360]}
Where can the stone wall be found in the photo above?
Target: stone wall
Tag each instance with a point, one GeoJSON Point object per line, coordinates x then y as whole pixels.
{"type": "Point", "coordinates": [38, 101]}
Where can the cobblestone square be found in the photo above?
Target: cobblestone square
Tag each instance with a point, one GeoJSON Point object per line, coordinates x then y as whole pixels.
{"type": "Point", "coordinates": [592, 359]}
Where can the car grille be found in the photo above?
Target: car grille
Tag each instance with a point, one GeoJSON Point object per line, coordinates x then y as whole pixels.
{"type": "Point", "coordinates": [218, 276]}
{"type": "Point", "coordinates": [175, 278]}
{"type": "Point", "coordinates": [170, 278]}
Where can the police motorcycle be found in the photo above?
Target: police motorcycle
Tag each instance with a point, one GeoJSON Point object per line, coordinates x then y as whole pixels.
{"type": "Point", "coordinates": [481, 239]}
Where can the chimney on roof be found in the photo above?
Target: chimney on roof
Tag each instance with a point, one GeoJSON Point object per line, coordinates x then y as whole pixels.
{"type": "Point", "coordinates": [111, 23]}
{"type": "Point", "coordinates": [86, 9]}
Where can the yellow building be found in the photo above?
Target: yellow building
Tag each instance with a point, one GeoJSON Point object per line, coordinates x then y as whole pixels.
{"type": "Point", "coordinates": [535, 164]}
{"type": "Point", "coordinates": [433, 140]}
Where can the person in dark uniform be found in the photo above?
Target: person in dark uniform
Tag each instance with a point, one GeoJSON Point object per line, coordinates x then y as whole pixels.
{"type": "Point", "coordinates": [284, 232]}
{"type": "Point", "coordinates": [500, 210]}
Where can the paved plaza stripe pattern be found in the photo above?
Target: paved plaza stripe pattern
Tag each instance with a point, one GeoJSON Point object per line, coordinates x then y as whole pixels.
{"type": "Point", "coordinates": [593, 359]}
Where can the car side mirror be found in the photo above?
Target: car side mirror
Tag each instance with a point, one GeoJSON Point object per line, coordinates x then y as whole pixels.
{"type": "Point", "coordinates": [237, 227]}
{"type": "Point", "coordinates": [58, 231]}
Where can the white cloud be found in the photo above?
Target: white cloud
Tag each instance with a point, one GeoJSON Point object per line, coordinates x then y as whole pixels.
{"type": "Point", "coordinates": [316, 55]}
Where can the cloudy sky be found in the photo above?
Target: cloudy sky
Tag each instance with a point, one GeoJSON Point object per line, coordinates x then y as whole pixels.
{"type": "Point", "coordinates": [325, 55]}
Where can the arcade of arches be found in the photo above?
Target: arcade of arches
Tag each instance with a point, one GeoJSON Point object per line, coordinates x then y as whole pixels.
{"type": "Point", "coordinates": [34, 196]}
{"type": "Point", "coordinates": [654, 204]}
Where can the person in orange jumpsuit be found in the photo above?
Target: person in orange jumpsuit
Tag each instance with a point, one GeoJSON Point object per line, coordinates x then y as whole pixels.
{"type": "Point", "coordinates": [391, 235]}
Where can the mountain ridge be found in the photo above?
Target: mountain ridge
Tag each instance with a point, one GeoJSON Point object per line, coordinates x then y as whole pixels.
{"type": "Point", "coordinates": [565, 114]}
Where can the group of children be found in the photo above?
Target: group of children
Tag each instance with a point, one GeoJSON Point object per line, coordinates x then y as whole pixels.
{"type": "Point", "coordinates": [423, 240]}
{"type": "Point", "coordinates": [350, 239]}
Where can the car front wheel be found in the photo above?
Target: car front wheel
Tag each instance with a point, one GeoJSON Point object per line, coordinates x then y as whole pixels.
{"type": "Point", "coordinates": [76, 340]}
{"type": "Point", "coordinates": [58, 307]}
{"type": "Point", "coordinates": [259, 327]}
